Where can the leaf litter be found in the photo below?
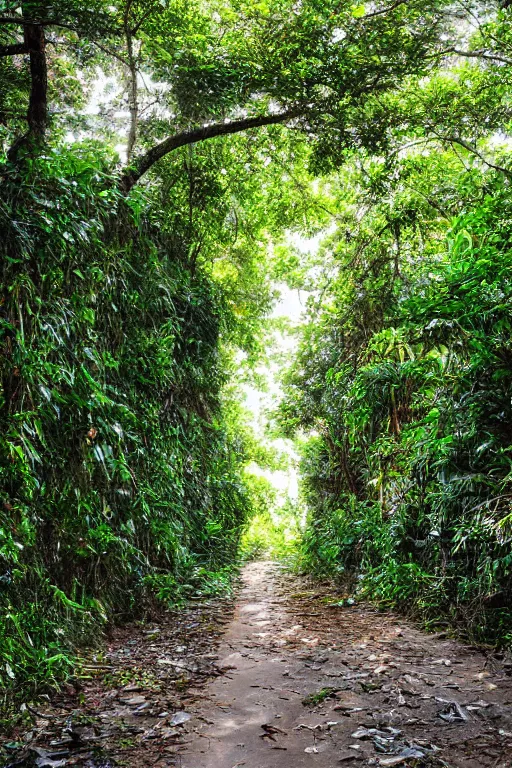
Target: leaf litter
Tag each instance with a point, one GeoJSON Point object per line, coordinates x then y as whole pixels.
{"type": "Point", "coordinates": [152, 696]}
{"type": "Point", "coordinates": [128, 702]}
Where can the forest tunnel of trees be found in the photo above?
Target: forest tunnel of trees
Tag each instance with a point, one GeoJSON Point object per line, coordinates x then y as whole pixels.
{"type": "Point", "coordinates": [159, 160]}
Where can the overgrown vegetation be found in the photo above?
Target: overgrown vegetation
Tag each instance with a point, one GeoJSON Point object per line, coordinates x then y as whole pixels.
{"type": "Point", "coordinates": [150, 152]}
{"type": "Point", "coordinates": [274, 530]}
{"type": "Point", "coordinates": [404, 374]}
{"type": "Point", "coordinates": [119, 472]}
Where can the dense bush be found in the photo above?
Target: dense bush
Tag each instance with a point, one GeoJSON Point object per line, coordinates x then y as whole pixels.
{"type": "Point", "coordinates": [118, 477]}
{"type": "Point", "coordinates": [407, 381]}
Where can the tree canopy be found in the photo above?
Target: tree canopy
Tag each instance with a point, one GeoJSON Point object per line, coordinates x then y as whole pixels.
{"type": "Point", "coordinates": [193, 71]}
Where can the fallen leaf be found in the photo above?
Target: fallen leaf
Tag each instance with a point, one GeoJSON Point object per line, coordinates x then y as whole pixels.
{"type": "Point", "coordinates": [179, 718]}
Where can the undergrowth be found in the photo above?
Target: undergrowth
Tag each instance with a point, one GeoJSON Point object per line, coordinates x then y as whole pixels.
{"type": "Point", "coordinates": [273, 532]}
{"type": "Point", "coordinates": [120, 477]}
{"type": "Point", "coordinates": [405, 382]}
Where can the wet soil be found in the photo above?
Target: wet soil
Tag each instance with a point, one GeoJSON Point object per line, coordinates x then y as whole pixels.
{"type": "Point", "coordinates": [285, 677]}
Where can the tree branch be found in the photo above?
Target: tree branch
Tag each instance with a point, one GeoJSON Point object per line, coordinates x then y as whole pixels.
{"type": "Point", "coordinates": [143, 18]}
{"type": "Point", "coordinates": [110, 52]}
{"type": "Point", "coordinates": [384, 10]}
{"type": "Point", "coordinates": [12, 20]}
{"type": "Point", "coordinates": [478, 55]}
{"type": "Point", "coordinates": [22, 22]}
{"type": "Point", "coordinates": [13, 50]}
{"type": "Point", "coordinates": [475, 152]}
{"type": "Point", "coordinates": [132, 175]}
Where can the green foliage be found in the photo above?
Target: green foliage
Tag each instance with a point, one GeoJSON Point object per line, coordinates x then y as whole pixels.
{"type": "Point", "coordinates": [197, 581]}
{"type": "Point", "coordinates": [317, 698]}
{"type": "Point", "coordinates": [272, 532]}
{"type": "Point", "coordinates": [405, 376]}
{"type": "Point", "coordinates": [125, 311]}
{"type": "Point", "coordinates": [119, 474]}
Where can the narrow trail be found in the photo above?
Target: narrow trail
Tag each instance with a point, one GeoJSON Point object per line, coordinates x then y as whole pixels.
{"type": "Point", "coordinates": [285, 677]}
{"type": "Point", "coordinates": [398, 696]}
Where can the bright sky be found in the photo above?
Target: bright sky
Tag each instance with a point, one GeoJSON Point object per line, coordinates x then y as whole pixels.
{"type": "Point", "coordinates": [291, 305]}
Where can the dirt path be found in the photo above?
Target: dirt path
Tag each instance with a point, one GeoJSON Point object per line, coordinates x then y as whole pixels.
{"type": "Point", "coordinates": [389, 686]}
{"type": "Point", "coordinates": [288, 677]}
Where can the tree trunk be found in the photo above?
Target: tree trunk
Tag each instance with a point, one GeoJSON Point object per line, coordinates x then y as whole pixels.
{"type": "Point", "coordinates": [132, 86]}
{"type": "Point", "coordinates": [37, 115]}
